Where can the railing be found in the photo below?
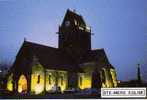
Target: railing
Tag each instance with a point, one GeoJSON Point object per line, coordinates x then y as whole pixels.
{"type": "Point", "coordinates": [85, 28]}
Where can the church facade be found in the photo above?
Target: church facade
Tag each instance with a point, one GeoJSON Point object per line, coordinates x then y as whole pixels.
{"type": "Point", "coordinates": [74, 64]}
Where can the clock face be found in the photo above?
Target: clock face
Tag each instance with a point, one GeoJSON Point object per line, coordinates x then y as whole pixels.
{"type": "Point", "coordinates": [67, 23]}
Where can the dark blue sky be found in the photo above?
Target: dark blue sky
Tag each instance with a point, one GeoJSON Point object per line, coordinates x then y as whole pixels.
{"type": "Point", "coordinates": [119, 26]}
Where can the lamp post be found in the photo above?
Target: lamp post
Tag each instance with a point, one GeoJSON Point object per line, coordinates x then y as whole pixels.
{"type": "Point", "coordinates": [138, 74]}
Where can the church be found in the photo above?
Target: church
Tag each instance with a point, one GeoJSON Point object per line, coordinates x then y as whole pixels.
{"type": "Point", "coordinates": [73, 65]}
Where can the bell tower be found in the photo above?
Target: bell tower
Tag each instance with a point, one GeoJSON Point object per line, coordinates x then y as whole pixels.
{"type": "Point", "coordinates": [74, 35]}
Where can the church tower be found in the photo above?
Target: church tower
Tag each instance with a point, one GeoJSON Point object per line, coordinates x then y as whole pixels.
{"type": "Point", "coordinates": [74, 35]}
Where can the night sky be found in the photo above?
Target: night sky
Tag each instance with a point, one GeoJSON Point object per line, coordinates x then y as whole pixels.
{"type": "Point", "coordinates": [119, 26]}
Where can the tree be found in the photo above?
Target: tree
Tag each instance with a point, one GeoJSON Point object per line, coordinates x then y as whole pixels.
{"type": "Point", "coordinates": [4, 66]}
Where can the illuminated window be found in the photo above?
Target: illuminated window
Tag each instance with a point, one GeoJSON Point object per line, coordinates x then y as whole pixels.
{"type": "Point", "coordinates": [49, 78]}
{"type": "Point", "coordinates": [80, 80]}
{"type": "Point", "coordinates": [38, 79]}
{"type": "Point", "coordinates": [61, 80]}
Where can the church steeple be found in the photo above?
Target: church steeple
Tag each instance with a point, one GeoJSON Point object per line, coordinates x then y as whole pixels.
{"type": "Point", "coordinates": [74, 33]}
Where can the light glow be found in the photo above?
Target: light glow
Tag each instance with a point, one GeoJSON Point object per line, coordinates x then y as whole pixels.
{"type": "Point", "coordinates": [110, 78]}
{"type": "Point", "coordinates": [9, 83]}
{"type": "Point", "coordinates": [113, 74]}
{"type": "Point", "coordinates": [56, 77]}
{"type": "Point", "coordinates": [64, 81]}
{"type": "Point", "coordinates": [37, 88]}
{"type": "Point", "coordinates": [52, 80]}
{"type": "Point", "coordinates": [22, 84]}
{"type": "Point", "coordinates": [86, 80]}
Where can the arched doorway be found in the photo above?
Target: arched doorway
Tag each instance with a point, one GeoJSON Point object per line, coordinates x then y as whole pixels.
{"type": "Point", "coordinates": [22, 84]}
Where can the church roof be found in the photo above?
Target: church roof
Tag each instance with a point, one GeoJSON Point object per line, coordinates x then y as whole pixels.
{"type": "Point", "coordinates": [74, 16]}
{"type": "Point", "coordinates": [54, 58]}
{"type": "Point", "coordinates": [49, 57]}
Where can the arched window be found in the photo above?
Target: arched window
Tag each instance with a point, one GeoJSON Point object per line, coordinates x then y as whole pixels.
{"type": "Point", "coordinates": [22, 84]}
{"type": "Point", "coordinates": [38, 81]}
{"type": "Point", "coordinates": [49, 79]}
{"type": "Point", "coordinates": [10, 83]}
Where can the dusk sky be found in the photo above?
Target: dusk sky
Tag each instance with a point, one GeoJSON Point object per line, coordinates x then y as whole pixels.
{"type": "Point", "coordinates": [119, 26]}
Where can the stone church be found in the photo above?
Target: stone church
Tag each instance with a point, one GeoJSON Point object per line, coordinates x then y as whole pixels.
{"type": "Point", "coordinates": [74, 64]}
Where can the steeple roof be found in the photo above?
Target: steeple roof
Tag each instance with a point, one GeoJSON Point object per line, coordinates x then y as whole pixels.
{"type": "Point", "coordinates": [71, 15]}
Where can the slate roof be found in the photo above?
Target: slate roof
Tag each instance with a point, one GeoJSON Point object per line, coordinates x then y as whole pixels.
{"type": "Point", "coordinates": [49, 57]}
{"type": "Point", "coordinates": [54, 58]}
